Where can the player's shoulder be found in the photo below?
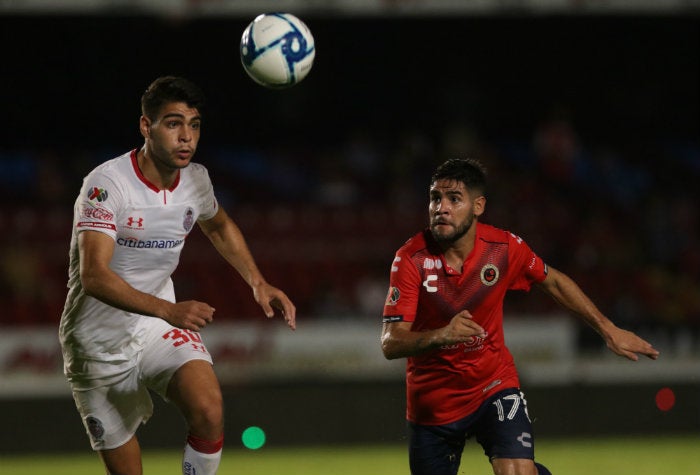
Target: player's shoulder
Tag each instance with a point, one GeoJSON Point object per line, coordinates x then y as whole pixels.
{"type": "Point", "coordinates": [493, 235]}
{"type": "Point", "coordinates": [196, 171]}
{"type": "Point", "coordinates": [114, 166]}
{"type": "Point", "coordinates": [415, 244]}
{"type": "Point", "coordinates": [490, 233]}
{"type": "Point", "coordinates": [198, 167]}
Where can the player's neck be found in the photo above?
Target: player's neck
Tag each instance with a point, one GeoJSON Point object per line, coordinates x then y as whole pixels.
{"type": "Point", "coordinates": [455, 256]}
{"type": "Point", "coordinates": [458, 251]}
{"type": "Point", "coordinates": [160, 176]}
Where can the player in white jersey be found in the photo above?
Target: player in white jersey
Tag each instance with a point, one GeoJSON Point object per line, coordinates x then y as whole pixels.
{"type": "Point", "coordinates": [122, 331]}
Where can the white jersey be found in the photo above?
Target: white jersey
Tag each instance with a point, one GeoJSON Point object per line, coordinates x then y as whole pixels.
{"type": "Point", "coordinates": [149, 227]}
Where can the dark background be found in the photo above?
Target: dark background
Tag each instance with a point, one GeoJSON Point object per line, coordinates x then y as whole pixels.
{"type": "Point", "coordinates": [588, 125]}
{"type": "Point", "coordinates": [76, 81]}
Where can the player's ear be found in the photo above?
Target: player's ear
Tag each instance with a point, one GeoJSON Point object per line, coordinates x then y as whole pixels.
{"type": "Point", "coordinates": [479, 205]}
{"type": "Point", "coordinates": [145, 126]}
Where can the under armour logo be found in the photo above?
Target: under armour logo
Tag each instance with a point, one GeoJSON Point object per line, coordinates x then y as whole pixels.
{"type": "Point", "coordinates": [132, 221]}
{"type": "Point", "coordinates": [525, 439]}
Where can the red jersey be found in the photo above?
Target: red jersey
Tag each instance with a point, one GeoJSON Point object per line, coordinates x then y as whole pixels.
{"type": "Point", "coordinates": [449, 383]}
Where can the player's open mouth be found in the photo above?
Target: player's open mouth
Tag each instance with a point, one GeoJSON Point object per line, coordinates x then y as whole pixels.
{"type": "Point", "coordinates": [439, 223]}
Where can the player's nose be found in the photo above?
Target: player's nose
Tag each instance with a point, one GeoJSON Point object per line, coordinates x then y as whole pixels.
{"type": "Point", "coordinates": [186, 134]}
{"type": "Point", "coordinates": [440, 207]}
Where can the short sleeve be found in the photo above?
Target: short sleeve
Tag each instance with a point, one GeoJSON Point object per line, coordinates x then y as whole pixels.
{"type": "Point", "coordinates": [98, 205]}
{"type": "Point", "coordinates": [404, 286]}
{"type": "Point", "coordinates": [208, 203]}
{"type": "Point", "coordinates": [527, 267]}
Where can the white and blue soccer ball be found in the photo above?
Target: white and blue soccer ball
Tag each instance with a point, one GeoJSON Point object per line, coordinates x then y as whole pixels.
{"type": "Point", "coordinates": [277, 50]}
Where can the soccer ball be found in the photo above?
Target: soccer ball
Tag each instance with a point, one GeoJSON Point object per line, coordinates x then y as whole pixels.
{"type": "Point", "coordinates": [277, 50]}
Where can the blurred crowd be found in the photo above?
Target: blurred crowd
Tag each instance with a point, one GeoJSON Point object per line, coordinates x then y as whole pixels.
{"type": "Point", "coordinates": [324, 221]}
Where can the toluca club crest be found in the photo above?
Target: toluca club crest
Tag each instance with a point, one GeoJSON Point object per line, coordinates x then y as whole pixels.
{"type": "Point", "coordinates": [188, 220]}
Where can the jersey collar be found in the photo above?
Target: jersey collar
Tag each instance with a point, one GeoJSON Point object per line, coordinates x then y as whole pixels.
{"type": "Point", "coordinates": [144, 180]}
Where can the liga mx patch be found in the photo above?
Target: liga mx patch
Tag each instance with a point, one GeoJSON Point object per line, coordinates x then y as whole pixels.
{"type": "Point", "coordinates": [489, 274]}
{"type": "Point", "coordinates": [97, 194]}
{"type": "Point", "coordinates": [95, 427]}
{"type": "Point", "coordinates": [393, 296]}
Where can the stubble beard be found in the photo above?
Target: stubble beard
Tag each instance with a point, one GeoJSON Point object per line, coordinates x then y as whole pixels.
{"type": "Point", "coordinates": [166, 159]}
{"type": "Point", "coordinates": [170, 162]}
{"type": "Point", "coordinates": [456, 235]}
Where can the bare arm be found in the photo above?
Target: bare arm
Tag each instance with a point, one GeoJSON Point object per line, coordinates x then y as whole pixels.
{"type": "Point", "coordinates": [101, 282]}
{"type": "Point", "coordinates": [230, 243]}
{"type": "Point", "coordinates": [568, 294]}
{"type": "Point", "coordinates": [399, 341]}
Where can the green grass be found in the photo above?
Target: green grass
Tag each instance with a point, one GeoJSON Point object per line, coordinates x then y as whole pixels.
{"type": "Point", "coordinates": [668, 455]}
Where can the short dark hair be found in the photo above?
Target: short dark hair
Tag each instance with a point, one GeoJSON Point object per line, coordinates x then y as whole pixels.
{"type": "Point", "coordinates": [469, 171]}
{"type": "Point", "coordinates": [167, 89]}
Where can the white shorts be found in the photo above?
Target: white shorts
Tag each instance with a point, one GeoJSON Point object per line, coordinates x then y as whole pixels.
{"type": "Point", "coordinates": [113, 406]}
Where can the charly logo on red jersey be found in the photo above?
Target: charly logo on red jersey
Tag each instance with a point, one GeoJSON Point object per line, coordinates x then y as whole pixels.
{"type": "Point", "coordinates": [489, 274]}
{"type": "Point", "coordinates": [97, 194]}
{"type": "Point", "coordinates": [431, 279]}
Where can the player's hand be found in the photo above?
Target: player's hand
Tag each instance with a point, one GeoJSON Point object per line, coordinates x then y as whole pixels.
{"type": "Point", "coordinates": [268, 297]}
{"type": "Point", "coordinates": [462, 327]}
{"type": "Point", "coordinates": [190, 315]}
{"type": "Point", "coordinates": [625, 343]}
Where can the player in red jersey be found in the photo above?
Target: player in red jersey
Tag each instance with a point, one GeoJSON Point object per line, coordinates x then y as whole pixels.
{"type": "Point", "coordinates": [444, 313]}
